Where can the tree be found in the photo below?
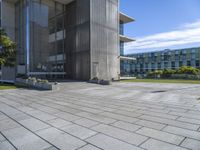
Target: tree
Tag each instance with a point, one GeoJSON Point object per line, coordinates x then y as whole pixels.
{"type": "Point", "coordinates": [7, 50]}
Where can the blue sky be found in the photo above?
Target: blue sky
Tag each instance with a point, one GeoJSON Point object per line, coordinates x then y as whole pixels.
{"type": "Point", "coordinates": [162, 24]}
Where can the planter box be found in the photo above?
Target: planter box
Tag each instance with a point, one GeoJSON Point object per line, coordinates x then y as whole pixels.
{"type": "Point", "coordinates": [101, 82]}
{"type": "Point", "coordinates": [31, 83]}
{"type": "Point", "coordinates": [19, 81]}
{"type": "Point", "coordinates": [36, 85]}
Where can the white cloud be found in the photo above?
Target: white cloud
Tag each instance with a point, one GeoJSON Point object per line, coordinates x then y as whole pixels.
{"type": "Point", "coordinates": [186, 34]}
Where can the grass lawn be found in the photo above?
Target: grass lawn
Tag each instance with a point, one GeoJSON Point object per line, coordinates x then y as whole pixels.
{"type": "Point", "coordinates": [7, 86]}
{"type": "Point", "coordinates": [163, 81]}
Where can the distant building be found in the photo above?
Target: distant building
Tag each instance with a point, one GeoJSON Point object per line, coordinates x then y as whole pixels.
{"type": "Point", "coordinates": [166, 59]}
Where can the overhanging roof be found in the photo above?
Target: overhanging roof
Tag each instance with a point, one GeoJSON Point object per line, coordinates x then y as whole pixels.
{"type": "Point", "coordinates": [127, 58]}
{"type": "Point", "coordinates": [126, 39]}
{"type": "Point", "coordinates": [125, 18]}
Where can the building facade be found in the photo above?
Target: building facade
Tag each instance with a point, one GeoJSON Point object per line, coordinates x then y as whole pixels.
{"type": "Point", "coordinates": [67, 39]}
{"type": "Point", "coordinates": [166, 59]}
{"type": "Point", "coordinates": [124, 19]}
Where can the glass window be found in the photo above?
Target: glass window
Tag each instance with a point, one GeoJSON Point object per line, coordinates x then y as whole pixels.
{"type": "Point", "coordinates": [121, 48]}
{"type": "Point", "coordinates": [180, 63]}
{"type": "Point", "coordinates": [59, 23]}
{"type": "Point", "coordinates": [60, 47]}
{"type": "Point", "coordinates": [188, 63]}
{"type": "Point", "coordinates": [173, 65]}
{"type": "Point", "coordinates": [52, 26]}
{"type": "Point", "coordinates": [121, 27]}
{"type": "Point", "coordinates": [197, 63]}
{"type": "Point", "coordinates": [41, 46]}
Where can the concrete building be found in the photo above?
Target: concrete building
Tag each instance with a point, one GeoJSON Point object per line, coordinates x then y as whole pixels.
{"type": "Point", "coordinates": [67, 39]}
{"type": "Point", "coordinates": [165, 59]}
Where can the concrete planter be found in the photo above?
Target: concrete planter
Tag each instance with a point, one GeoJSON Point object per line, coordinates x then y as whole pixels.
{"type": "Point", "coordinates": [101, 82]}
{"type": "Point", "coordinates": [31, 83]}
{"type": "Point", "coordinates": [105, 82]}
{"type": "Point", "coordinates": [36, 85]}
{"type": "Point", "coordinates": [20, 81]}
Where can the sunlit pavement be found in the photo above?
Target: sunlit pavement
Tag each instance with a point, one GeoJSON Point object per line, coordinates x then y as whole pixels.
{"type": "Point", "coordinates": [83, 116]}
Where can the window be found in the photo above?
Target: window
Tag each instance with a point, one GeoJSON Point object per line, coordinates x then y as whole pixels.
{"type": "Point", "coordinates": [197, 63]}
{"type": "Point", "coordinates": [37, 23]}
{"type": "Point", "coordinates": [180, 63]}
{"type": "Point", "coordinates": [60, 23]}
{"type": "Point", "coordinates": [173, 64]}
{"type": "Point", "coordinates": [121, 27]}
{"type": "Point", "coordinates": [188, 63]}
{"type": "Point", "coordinates": [121, 48]}
{"type": "Point", "coordinates": [159, 65]}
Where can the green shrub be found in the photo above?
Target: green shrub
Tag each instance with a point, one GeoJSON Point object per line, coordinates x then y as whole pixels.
{"type": "Point", "coordinates": [184, 72]}
{"type": "Point", "coordinates": [32, 79]}
{"type": "Point", "coordinates": [167, 73]}
{"type": "Point", "coordinates": [188, 70]}
{"type": "Point", "coordinates": [185, 76]}
{"type": "Point", "coordinates": [42, 81]}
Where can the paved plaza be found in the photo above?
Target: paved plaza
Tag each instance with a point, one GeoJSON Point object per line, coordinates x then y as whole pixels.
{"type": "Point", "coordinates": [83, 116]}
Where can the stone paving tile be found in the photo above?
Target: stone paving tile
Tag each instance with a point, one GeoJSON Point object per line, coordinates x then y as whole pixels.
{"type": "Point", "coordinates": [41, 115]}
{"type": "Point", "coordinates": [183, 132]}
{"type": "Point", "coordinates": [126, 126]}
{"type": "Point", "coordinates": [188, 115]}
{"type": "Point", "coordinates": [8, 124]}
{"type": "Point", "coordinates": [122, 116]}
{"type": "Point", "coordinates": [78, 131]}
{"type": "Point", "coordinates": [150, 124]}
{"type": "Point", "coordinates": [60, 139]}
{"type": "Point", "coordinates": [86, 122]}
{"type": "Point", "coordinates": [194, 112]}
{"type": "Point", "coordinates": [119, 117]}
{"type": "Point", "coordinates": [108, 143]}
{"type": "Point", "coordinates": [156, 114]}
{"type": "Point", "coordinates": [163, 111]}
{"type": "Point", "coordinates": [52, 104]}
{"type": "Point", "coordinates": [8, 110]}
{"type": "Point", "coordinates": [51, 148]}
{"type": "Point", "coordinates": [2, 138]}
{"type": "Point", "coordinates": [128, 113]}
{"type": "Point", "coordinates": [2, 116]}
{"type": "Point", "coordinates": [176, 109]}
{"type": "Point", "coordinates": [89, 147]}
{"type": "Point", "coordinates": [170, 122]}
{"type": "Point", "coordinates": [5, 145]}
{"type": "Point", "coordinates": [25, 108]}
{"type": "Point", "coordinates": [152, 144]}
{"type": "Point", "coordinates": [44, 108]}
{"type": "Point", "coordinates": [77, 107]}
{"type": "Point", "coordinates": [189, 120]}
{"type": "Point", "coordinates": [34, 124]}
{"type": "Point", "coordinates": [123, 135]}
{"type": "Point", "coordinates": [97, 117]}
{"type": "Point", "coordinates": [191, 144]}
{"type": "Point", "coordinates": [160, 135]}
{"type": "Point", "coordinates": [67, 116]}
{"type": "Point", "coordinates": [24, 139]}
{"type": "Point", "coordinates": [21, 116]}
{"type": "Point", "coordinates": [58, 122]}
